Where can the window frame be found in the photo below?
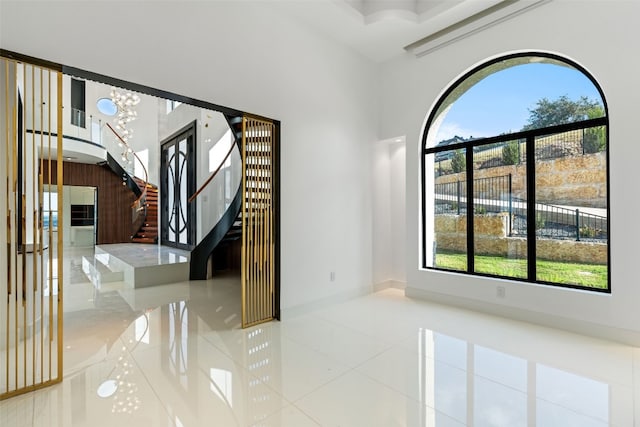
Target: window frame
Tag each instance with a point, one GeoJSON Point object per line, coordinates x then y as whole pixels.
{"type": "Point", "coordinates": [529, 136]}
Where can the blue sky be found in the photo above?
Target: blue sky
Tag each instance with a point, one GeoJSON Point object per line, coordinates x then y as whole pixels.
{"type": "Point", "coordinates": [501, 102]}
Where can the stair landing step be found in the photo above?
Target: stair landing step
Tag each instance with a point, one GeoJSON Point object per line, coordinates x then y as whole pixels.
{"type": "Point", "coordinates": [143, 240]}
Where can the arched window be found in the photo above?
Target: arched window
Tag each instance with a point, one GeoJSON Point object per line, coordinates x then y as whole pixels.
{"type": "Point", "coordinates": [514, 174]}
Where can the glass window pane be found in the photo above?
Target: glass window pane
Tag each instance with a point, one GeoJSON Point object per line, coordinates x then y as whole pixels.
{"type": "Point", "coordinates": [555, 201]}
{"type": "Point", "coordinates": [499, 209]}
{"type": "Point", "coordinates": [571, 208]}
{"type": "Point", "coordinates": [171, 172]}
{"type": "Point", "coordinates": [515, 94]}
{"type": "Point", "coordinates": [447, 247]}
{"type": "Point", "coordinates": [182, 217]}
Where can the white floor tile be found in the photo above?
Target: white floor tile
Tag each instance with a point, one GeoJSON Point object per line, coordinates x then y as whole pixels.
{"type": "Point", "coordinates": [180, 359]}
{"type": "Point", "coordinates": [200, 384]}
{"type": "Point", "coordinates": [356, 400]}
{"type": "Point", "coordinates": [399, 369]}
{"type": "Point", "coordinates": [289, 416]}
{"type": "Point", "coordinates": [338, 342]}
{"type": "Point", "coordinates": [301, 370]}
{"type": "Point", "coordinates": [497, 405]}
{"type": "Point", "coordinates": [75, 402]}
{"type": "Point", "coordinates": [549, 414]}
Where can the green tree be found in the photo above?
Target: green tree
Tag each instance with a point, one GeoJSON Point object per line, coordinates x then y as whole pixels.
{"type": "Point", "coordinates": [594, 140]}
{"type": "Point", "coordinates": [562, 110]}
{"type": "Point", "coordinates": [511, 153]}
{"type": "Point", "coordinates": [458, 162]}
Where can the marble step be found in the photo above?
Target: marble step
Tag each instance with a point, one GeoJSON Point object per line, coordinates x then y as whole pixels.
{"type": "Point", "coordinates": [100, 270]}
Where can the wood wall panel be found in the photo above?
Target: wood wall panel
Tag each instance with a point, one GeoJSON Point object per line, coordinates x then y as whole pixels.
{"type": "Point", "coordinates": [114, 199]}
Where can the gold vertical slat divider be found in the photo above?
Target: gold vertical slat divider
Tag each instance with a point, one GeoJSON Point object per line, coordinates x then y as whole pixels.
{"type": "Point", "coordinates": [260, 191]}
{"type": "Point", "coordinates": [34, 249]}
{"type": "Point", "coordinates": [25, 350]}
{"type": "Point", "coordinates": [16, 225]}
{"type": "Point", "coordinates": [7, 134]}
{"type": "Point", "coordinates": [258, 221]}
{"type": "Point", "coordinates": [243, 260]}
{"type": "Point", "coordinates": [261, 224]}
{"type": "Point", "coordinates": [270, 222]}
{"type": "Point", "coordinates": [265, 227]}
{"type": "Point", "coordinates": [255, 225]}
{"type": "Point", "coordinates": [252, 220]}
{"type": "Point", "coordinates": [40, 222]}
{"type": "Point", "coordinates": [269, 231]}
{"type": "Point", "coordinates": [255, 197]}
{"type": "Point", "coordinates": [252, 230]}
{"type": "Point", "coordinates": [258, 196]}
{"type": "Point", "coordinates": [258, 226]}
{"type": "Point", "coordinates": [23, 222]}
{"type": "Point", "coordinates": [50, 282]}
{"type": "Point", "coordinates": [60, 249]}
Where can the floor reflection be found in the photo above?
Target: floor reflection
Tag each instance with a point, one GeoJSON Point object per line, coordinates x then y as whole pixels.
{"type": "Point", "coordinates": [174, 355]}
{"type": "Point", "coordinates": [479, 386]}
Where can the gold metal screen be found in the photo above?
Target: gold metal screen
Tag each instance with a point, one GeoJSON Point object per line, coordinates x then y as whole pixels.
{"type": "Point", "coordinates": [31, 259]}
{"type": "Point", "coordinates": [258, 221]}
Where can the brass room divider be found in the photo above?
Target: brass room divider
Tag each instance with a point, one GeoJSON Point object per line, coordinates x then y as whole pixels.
{"type": "Point", "coordinates": [31, 259]}
{"type": "Point", "coordinates": [258, 221]}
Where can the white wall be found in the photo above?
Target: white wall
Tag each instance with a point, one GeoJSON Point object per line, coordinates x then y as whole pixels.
{"type": "Point", "coordinates": [397, 203]}
{"type": "Point", "coordinates": [245, 56]}
{"type": "Point", "coordinates": [600, 35]}
{"type": "Point", "coordinates": [388, 200]}
{"type": "Point", "coordinates": [381, 219]}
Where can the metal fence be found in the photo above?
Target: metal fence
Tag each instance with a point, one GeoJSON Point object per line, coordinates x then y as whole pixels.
{"type": "Point", "coordinates": [556, 222]}
{"type": "Point", "coordinates": [451, 197]}
{"type": "Point", "coordinates": [494, 195]}
{"type": "Point", "coordinates": [573, 143]}
{"type": "Point", "coordinates": [489, 195]}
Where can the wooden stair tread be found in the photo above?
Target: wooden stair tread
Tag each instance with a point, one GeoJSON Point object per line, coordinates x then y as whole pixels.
{"type": "Point", "coordinates": [148, 232]}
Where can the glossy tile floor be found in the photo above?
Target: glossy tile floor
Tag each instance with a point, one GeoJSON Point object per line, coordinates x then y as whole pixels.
{"type": "Point", "coordinates": [145, 255]}
{"type": "Point", "coordinates": [174, 356]}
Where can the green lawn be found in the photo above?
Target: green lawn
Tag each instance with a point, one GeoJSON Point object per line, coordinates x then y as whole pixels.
{"type": "Point", "coordinates": [589, 275]}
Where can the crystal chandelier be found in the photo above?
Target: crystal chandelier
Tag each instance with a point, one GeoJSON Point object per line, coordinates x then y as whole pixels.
{"type": "Point", "coordinates": [126, 103]}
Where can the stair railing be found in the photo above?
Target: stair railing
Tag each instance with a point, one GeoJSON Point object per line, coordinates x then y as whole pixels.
{"type": "Point", "coordinates": [213, 175]}
{"type": "Point", "coordinates": [138, 207]}
{"type": "Point", "coordinates": [223, 212]}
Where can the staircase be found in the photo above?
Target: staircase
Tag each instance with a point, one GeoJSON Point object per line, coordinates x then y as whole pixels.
{"type": "Point", "coordinates": [254, 201]}
{"type": "Point", "coordinates": [148, 232]}
{"type": "Point", "coordinates": [228, 228]}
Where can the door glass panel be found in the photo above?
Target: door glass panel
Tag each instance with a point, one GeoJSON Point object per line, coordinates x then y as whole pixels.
{"type": "Point", "coordinates": [178, 175]}
{"type": "Point", "coordinates": [183, 196]}
{"type": "Point", "coordinates": [171, 190]}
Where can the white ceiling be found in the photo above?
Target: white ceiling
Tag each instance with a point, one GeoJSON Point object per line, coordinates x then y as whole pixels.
{"type": "Point", "coordinates": [380, 29]}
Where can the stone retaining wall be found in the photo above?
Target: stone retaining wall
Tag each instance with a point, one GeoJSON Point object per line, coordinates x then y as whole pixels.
{"type": "Point", "coordinates": [573, 180]}
{"type": "Point", "coordinates": [491, 239]}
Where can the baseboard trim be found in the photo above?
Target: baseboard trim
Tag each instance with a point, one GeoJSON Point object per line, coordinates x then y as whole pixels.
{"type": "Point", "coordinates": [387, 284]}
{"type": "Point", "coordinates": [609, 333]}
{"type": "Point", "coordinates": [306, 308]}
